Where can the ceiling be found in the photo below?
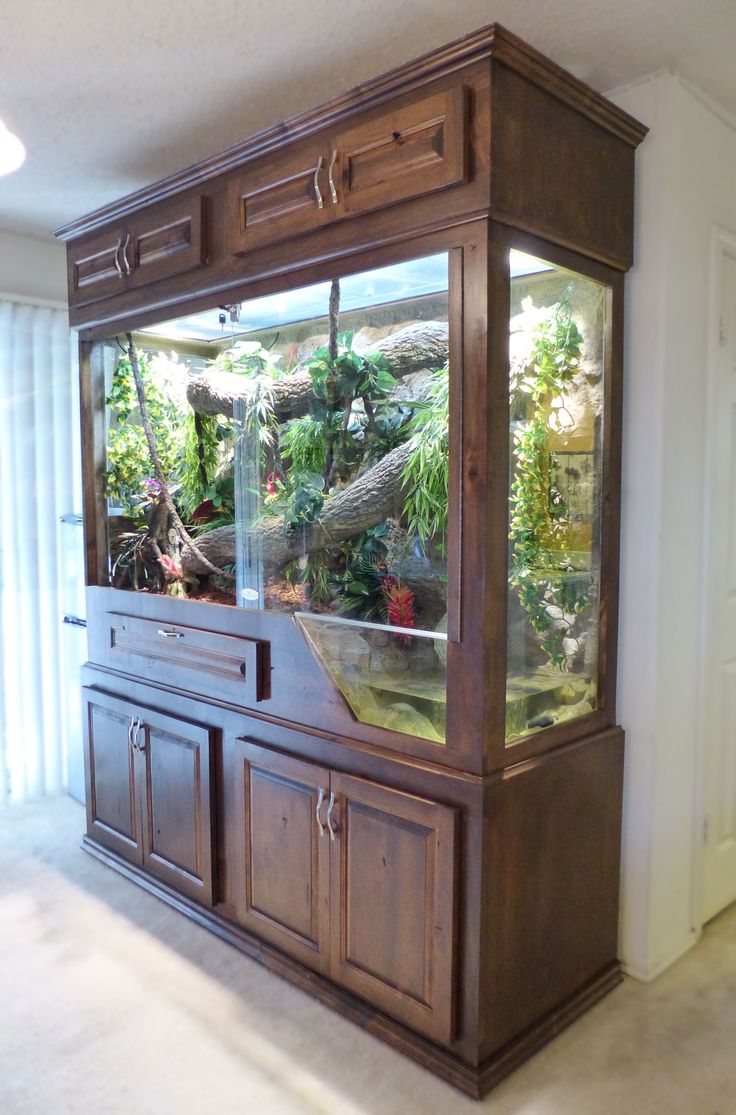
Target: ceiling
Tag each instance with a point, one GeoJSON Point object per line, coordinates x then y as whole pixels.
{"type": "Point", "coordinates": [110, 96]}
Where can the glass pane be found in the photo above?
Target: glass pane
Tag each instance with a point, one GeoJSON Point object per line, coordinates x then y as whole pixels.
{"type": "Point", "coordinates": [303, 443]}
{"type": "Point", "coordinates": [557, 358]}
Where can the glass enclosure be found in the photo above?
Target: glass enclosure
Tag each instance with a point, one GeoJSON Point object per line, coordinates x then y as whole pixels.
{"type": "Point", "coordinates": [296, 461]}
{"type": "Point", "coordinates": [557, 358]}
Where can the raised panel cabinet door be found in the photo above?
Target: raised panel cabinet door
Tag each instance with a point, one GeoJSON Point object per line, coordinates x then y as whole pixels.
{"type": "Point", "coordinates": [109, 762]}
{"type": "Point", "coordinates": [170, 239]}
{"type": "Point", "coordinates": [406, 152]}
{"type": "Point", "coordinates": [278, 197]}
{"type": "Point", "coordinates": [282, 868]}
{"type": "Point", "coordinates": [95, 267]}
{"type": "Point", "coordinates": [393, 884]}
{"type": "Point", "coordinates": [175, 784]}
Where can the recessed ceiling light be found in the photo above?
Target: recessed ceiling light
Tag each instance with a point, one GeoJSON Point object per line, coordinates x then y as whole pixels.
{"type": "Point", "coordinates": [12, 151]}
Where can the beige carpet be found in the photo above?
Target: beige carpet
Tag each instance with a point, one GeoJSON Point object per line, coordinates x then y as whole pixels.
{"type": "Point", "coordinates": [110, 1002]}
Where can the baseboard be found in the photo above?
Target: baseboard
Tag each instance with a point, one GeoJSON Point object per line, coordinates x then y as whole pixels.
{"type": "Point", "coordinates": [646, 972]}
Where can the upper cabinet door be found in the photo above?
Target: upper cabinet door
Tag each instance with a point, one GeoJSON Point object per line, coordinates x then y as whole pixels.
{"type": "Point", "coordinates": [95, 267]}
{"type": "Point", "coordinates": [176, 770]}
{"type": "Point", "coordinates": [393, 883]}
{"type": "Point", "coordinates": [167, 240]}
{"type": "Point", "coordinates": [405, 152]}
{"type": "Point", "coordinates": [279, 196]}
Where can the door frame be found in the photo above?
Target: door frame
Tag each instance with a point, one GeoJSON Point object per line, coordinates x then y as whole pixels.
{"type": "Point", "coordinates": [722, 244]}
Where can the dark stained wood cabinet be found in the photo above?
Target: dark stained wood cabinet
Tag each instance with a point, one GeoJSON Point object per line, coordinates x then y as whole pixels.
{"type": "Point", "coordinates": [149, 791]}
{"type": "Point", "coordinates": [452, 887]}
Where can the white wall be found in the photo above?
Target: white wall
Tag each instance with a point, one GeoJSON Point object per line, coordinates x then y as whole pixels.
{"type": "Point", "coordinates": [32, 268]}
{"type": "Point", "coordinates": [686, 170]}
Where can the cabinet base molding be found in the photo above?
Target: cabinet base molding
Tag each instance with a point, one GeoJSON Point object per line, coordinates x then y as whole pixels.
{"type": "Point", "coordinates": [474, 1081]}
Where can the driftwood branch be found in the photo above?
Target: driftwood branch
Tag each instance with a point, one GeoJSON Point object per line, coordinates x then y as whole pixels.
{"type": "Point", "coordinates": [369, 500]}
{"type": "Point", "coordinates": [420, 345]}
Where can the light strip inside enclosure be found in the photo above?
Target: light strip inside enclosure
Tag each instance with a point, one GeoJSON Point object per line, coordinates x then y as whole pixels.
{"type": "Point", "coordinates": [415, 278]}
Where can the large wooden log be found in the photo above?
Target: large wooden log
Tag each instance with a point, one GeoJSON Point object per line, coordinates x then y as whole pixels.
{"type": "Point", "coordinates": [369, 500]}
{"type": "Point", "coordinates": [420, 345]}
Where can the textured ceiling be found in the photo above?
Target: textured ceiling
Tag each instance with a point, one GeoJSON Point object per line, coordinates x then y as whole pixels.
{"type": "Point", "coordinates": [109, 96]}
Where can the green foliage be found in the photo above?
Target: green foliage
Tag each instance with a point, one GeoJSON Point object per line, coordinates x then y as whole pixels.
{"type": "Point", "coordinates": [350, 374]}
{"type": "Point", "coordinates": [540, 566]}
{"type": "Point", "coordinates": [205, 451]}
{"type": "Point", "coordinates": [248, 358]}
{"type": "Point", "coordinates": [426, 472]}
{"type": "Point", "coordinates": [359, 587]}
{"type": "Point", "coordinates": [303, 444]}
{"type": "Point", "coordinates": [129, 476]}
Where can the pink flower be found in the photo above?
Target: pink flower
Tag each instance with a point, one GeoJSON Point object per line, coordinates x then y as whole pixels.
{"type": "Point", "coordinates": [171, 568]}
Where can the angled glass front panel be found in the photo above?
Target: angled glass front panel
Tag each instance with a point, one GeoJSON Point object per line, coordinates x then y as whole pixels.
{"type": "Point", "coordinates": [557, 358]}
{"type": "Point", "coordinates": [297, 463]}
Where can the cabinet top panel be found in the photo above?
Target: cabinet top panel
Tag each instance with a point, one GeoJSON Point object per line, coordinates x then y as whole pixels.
{"type": "Point", "coordinates": [492, 43]}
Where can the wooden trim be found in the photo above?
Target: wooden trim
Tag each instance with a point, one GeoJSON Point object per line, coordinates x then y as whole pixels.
{"type": "Point", "coordinates": [491, 42]}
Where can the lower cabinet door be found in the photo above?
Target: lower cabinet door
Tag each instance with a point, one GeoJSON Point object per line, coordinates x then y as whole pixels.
{"type": "Point", "coordinates": [283, 852]}
{"type": "Point", "coordinates": [175, 767]}
{"type": "Point", "coordinates": [392, 899]}
{"type": "Point", "coordinates": [110, 772]}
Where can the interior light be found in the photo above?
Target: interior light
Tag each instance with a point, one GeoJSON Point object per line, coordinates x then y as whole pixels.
{"type": "Point", "coordinates": [12, 151]}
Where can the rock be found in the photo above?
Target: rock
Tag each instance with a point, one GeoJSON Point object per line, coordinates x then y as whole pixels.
{"type": "Point", "coordinates": [403, 717]}
{"type": "Point", "coordinates": [544, 720]}
{"type": "Point", "coordinates": [571, 693]}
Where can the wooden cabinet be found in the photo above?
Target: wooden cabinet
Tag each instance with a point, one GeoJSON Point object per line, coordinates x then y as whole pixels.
{"type": "Point", "coordinates": [353, 878]}
{"type": "Point", "coordinates": [367, 730]}
{"type": "Point", "coordinates": [149, 791]}
{"type": "Point", "coordinates": [411, 150]}
{"type": "Point", "coordinates": [159, 243]}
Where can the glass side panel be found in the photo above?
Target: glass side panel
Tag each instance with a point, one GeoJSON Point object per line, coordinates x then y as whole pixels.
{"type": "Point", "coordinates": [557, 357]}
{"type": "Point", "coordinates": [303, 450]}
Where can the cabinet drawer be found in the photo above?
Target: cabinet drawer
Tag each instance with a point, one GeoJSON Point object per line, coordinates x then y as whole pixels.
{"type": "Point", "coordinates": [202, 661]}
{"type": "Point", "coordinates": [409, 151]}
{"type": "Point", "coordinates": [279, 197]}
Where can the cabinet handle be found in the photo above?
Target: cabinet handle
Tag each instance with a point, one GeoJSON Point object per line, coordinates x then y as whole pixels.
{"type": "Point", "coordinates": [330, 807]}
{"type": "Point", "coordinates": [130, 733]}
{"type": "Point", "coordinates": [126, 261]}
{"type": "Point", "coordinates": [170, 634]}
{"type": "Point", "coordinates": [320, 203]}
{"type": "Point", "coordinates": [333, 189]}
{"type": "Point", "coordinates": [116, 258]}
{"type": "Point", "coordinates": [141, 746]}
{"type": "Point", "coordinates": [320, 799]}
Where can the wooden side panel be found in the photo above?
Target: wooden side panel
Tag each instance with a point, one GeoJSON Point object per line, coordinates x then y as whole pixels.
{"type": "Point", "coordinates": [553, 847]}
{"type": "Point", "coordinates": [112, 805]}
{"type": "Point", "coordinates": [176, 792]}
{"type": "Point", "coordinates": [393, 885]}
{"type": "Point", "coordinates": [281, 878]}
{"type": "Point", "coordinates": [167, 240]}
{"type": "Point", "coordinates": [94, 267]}
{"type": "Point", "coordinates": [557, 173]}
{"type": "Point", "coordinates": [279, 197]}
{"type": "Point", "coordinates": [409, 151]}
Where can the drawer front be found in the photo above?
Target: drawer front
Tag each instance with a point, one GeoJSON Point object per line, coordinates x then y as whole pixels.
{"type": "Point", "coordinates": [95, 268]}
{"type": "Point", "coordinates": [228, 666]}
{"type": "Point", "coordinates": [279, 197]}
{"type": "Point", "coordinates": [169, 240]}
{"type": "Point", "coordinates": [409, 151]}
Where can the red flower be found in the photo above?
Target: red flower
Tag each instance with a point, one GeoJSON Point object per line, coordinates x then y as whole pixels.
{"type": "Point", "coordinates": [400, 606]}
{"type": "Point", "coordinates": [171, 568]}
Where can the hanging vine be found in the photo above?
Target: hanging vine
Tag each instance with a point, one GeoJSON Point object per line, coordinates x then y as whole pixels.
{"type": "Point", "coordinates": [540, 529]}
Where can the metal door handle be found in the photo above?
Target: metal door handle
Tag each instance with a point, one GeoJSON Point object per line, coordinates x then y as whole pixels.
{"type": "Point", "coordinates": [333, 189]}
{"type": "Point", "coordinates": [116, 258]}
{"type": "Point", "coordinates": [320, 203]}
{"type": "Point", "coordinates": [130, 733]}
{"type": "Point", "coordinates": [320, 799]}
{"type": "Point", "coordinates": [141, 746]}
{"type": "Point", "coordinates": [171, 634]}
{"type": "Point", "coordinates": [126, 261]}
{"type": "Point", "coordinates": [330, 807]}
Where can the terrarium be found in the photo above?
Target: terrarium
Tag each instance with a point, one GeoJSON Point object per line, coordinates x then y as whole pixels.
{"type": "Point", "coordinates": [290, 454]}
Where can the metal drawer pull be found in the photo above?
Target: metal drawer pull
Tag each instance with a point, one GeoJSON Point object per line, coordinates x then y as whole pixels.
{"type": "Point", "coordinates": [333, 190]}
{"type": "Point", "coordinates": [126, 262]}
{"type": "Point", "coordinates": [116, 258]}
{"type": "Point", "coordinates": [320, 799]}
{"type": "Point", "coordinates": [330, 807]}
{"type": "Point", "coordinates": [170, 634]}
{"type": "Point", "coordinates": [320, 203]}
{"type": "Point", "coordinates": [130, 733]}
{"type": "Point", "coordinates": [141, 746]}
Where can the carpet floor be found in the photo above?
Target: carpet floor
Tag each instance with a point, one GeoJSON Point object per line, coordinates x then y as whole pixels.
{"type": "Point", "coordinates": [111, 1003]}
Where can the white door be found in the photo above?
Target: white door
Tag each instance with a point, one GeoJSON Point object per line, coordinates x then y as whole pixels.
{"type": "Point", "coordinates": [719, 598]}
